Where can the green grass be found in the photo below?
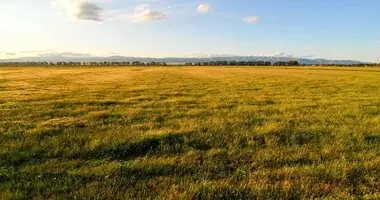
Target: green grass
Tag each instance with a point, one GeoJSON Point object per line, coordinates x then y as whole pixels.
{"type": "Point", "coordinates": [189, 133]}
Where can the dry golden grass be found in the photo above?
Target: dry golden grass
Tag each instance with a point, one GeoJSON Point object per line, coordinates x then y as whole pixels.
{"type": "Point", "coordinates": [189, 133]}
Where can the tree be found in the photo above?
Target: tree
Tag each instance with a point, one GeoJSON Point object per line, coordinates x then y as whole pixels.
{"type": "Point", "coordinates": [292, 63]}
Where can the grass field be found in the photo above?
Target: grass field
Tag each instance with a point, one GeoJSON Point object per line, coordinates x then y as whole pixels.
{"type": "Point", "coordinates": [189, 133]}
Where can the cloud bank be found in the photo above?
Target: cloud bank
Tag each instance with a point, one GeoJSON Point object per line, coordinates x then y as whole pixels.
{"type": "Point", "coordinates": [89, 10]}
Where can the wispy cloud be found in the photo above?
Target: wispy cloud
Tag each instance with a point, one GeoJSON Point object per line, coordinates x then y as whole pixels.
{"type": "Point", "coordinates": [308, 56]}
{"type": "Point", "coordinates": [36, 51]}
{"type": "Point", "coordinates": [63, 54]}
{"type": "Point", "coordinates": [141, 14]}
{"type": "Point", "coordinates": [26, 53]}
{"type": "Point", "coordinates": [203, 8]}
{"type": "Point", "coordinates": [113, 53]}
{"type": "Point", "coordinates": [7, 54]}
{"type": "Point", "coordinates": [79, 9]}
{"type": "Point", "coordinates": [252, 19]}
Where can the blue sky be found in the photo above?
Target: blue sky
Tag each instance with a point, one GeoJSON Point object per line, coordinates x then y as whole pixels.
{"type": "Point", "coordinates": [339, 29]}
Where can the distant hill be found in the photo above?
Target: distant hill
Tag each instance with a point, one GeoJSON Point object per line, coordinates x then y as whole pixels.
{"type": "Point", "coordinates": [178, 60]}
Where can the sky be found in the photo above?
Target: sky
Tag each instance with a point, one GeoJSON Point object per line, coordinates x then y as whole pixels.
{"type": "Point", "coordinates": [339, 29]}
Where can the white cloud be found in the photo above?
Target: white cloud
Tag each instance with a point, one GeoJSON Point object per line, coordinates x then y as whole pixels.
{"type": "Point", "coordinates": [79, 9]}
{"type": "Point", "coordinates": [220, 55]}
{"type": "Point", "coordinates": [143, 13]}
{"type": "Point", "coordinates": [276, 54]}
{"type": "Point", "coordinates": [280, 54]}
{"type": "Point", "coordinates": [203, 8]}
{"type": "Point", "coordinates": [252, 19]}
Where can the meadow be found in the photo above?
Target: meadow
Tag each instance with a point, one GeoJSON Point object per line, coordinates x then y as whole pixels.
{"type": "Point", "coordinates": [189, 133]}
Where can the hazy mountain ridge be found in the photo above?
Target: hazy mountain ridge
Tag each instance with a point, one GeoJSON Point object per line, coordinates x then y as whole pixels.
{"type": "Point", "coordinates": [178, 59]}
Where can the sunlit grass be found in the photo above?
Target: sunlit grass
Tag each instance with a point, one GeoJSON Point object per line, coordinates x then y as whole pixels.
{"type": "Point", "coordinates": [189, 133]}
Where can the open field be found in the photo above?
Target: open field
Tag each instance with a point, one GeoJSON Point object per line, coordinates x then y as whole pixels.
{"type": "Point", "coordinates": [189, 133]}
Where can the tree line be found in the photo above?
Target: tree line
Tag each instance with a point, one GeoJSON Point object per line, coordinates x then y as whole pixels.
{"type": "Point", "coordinates": [211, 63]}
{"type": "Point", "coordinates": [245, 63]}
{"type": "Point", "coordinates": [138, 63]}
{"type": "Point", "coordinates": [124, 63]}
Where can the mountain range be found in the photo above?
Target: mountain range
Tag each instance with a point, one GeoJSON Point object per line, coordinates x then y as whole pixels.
{"type": "Point", "coordinates": [179, 60]}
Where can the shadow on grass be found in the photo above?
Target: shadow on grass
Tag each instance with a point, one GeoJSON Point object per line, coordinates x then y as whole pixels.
{"type": "Point", "coordinates": [213, 192]}
{"type": "Point", "coordinates": [17, 157]}
{"type": "Point", "coordinates": [131, 176]}
{"type": "Point", "coordinates": [72, 104]}
{"type": "Point", "coordinates": [289, 137]}
{"type": "Point", "coordinates": [151, 145]}
{"type": "Point", "coordinates": [49, 132]}
{"type": "Point", "coordinates": [32, 185]}
{"type": "Point", "coordinates": [162, 144]}
{"type": "Point", "coordinates": [373, 139]}
{"type": "Point", "coordinates": [139, 148]}
{"type": "Point", "coordinates": [278, 164]}
{"type": "Point", "coordinates": [221, 193]}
